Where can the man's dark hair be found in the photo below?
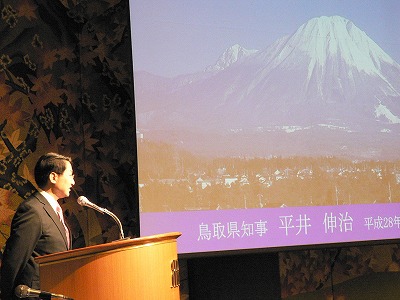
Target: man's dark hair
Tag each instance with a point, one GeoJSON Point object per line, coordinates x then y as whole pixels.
{"type": "Point", "coordinates": [47, 163]}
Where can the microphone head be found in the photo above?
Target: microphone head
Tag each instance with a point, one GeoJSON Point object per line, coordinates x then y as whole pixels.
{"type": "Point", "coordinates": [83, 201]}
{"type": "Point", "coordinates": [22, 291]}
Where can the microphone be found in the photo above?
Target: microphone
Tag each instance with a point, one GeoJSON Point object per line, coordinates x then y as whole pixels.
{"type": "Point", "coordinates": [83, 201]}
{"type": "Point", "coordinates": [23, 291]}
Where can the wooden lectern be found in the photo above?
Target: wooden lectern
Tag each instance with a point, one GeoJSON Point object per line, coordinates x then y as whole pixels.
{"type": "Point", "coordinates": [139, 268]}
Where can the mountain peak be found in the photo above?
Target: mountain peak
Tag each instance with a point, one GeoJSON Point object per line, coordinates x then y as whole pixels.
{"type": "Point", "coordinates": [230, 56]}
{"type": "Point", "coordinates": [325, 37]}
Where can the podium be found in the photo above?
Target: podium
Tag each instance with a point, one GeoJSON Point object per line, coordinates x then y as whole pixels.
{"type": "Point", "coordinates": [139, 268]}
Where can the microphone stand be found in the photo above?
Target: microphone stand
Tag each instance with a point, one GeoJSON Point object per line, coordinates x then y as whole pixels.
{"type": "Point", "coordinates": [83, 201]}
{"type": "Point", "coordinates": [106, 211]}
{"type": "Point", "coordinates": [121, 231]}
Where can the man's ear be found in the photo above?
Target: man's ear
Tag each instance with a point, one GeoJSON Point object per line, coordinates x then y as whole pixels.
{"type": "Point", "coordinates": [53, 177]}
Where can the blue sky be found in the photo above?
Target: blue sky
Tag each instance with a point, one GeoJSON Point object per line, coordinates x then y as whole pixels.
{"type": "Point", "coordinates": [173, 37]}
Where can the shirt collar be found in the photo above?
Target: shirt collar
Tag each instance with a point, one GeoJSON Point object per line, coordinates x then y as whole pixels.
{"type": "Point", "coordinates": [53, 202]}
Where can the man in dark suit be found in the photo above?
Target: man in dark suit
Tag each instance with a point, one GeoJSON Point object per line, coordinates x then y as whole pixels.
{"type": "Point", "coordinates": [36, 228]}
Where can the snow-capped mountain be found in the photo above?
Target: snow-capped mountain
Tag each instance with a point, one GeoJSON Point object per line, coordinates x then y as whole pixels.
{"type": "Point", "coordinates": [328, 72]}
{"type": "Point", "coordinates": [229, 57]}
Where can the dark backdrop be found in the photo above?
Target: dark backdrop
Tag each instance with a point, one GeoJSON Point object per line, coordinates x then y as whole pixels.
{"type": "Point", "coordinates": [66, 86]}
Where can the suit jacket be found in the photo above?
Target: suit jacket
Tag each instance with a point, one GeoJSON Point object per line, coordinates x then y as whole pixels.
{"type": "Point", "coordinates": [35, 230]}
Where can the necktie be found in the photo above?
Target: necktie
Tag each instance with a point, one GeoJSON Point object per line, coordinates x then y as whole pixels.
{"type": "Point", "coordinates": [61, 216]}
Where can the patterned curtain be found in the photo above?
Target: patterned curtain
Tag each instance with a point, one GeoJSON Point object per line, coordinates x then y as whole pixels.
{"type": "Point", "coordinates": [66, 86]}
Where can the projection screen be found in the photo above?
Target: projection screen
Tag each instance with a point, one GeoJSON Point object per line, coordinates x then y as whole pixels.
{"type": "Point", "coordinates": [267, 124]}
